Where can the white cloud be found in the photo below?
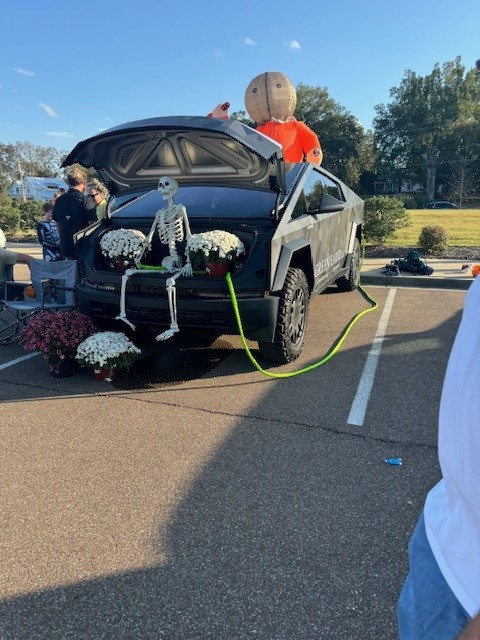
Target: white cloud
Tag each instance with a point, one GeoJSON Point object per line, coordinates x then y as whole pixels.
{"type": "Point", "coordinates": [293, 45]}
{"type": "Point", "coordinates": [48, 110]}
{"type": "Point", "coordinates": [249, 42]}
{"type": "Point", "coordinates": [218, 54]}
{"type": "Point", "coordinates": [60, 134]}
{"type": "Point", "coordinates": [24, 72]}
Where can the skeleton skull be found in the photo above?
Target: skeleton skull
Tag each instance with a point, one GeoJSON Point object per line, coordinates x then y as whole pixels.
{"type": "Point", "coordinates": [168, 187]}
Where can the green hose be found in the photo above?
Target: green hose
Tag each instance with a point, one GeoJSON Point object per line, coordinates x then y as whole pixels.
{"type": "Point", "coordinates": [333, 350]}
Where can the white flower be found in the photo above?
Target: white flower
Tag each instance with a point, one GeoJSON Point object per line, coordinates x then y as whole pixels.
{"type": "Point", "coordinates": [122, 243]}
{"type": "Point", "coordinates": [107, 349]}
{"type": "Point", "coordinates": [216, 245]}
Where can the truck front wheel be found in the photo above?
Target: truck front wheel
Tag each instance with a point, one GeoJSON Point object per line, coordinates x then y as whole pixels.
{"type": "Point", "coordinates": [291, 323]}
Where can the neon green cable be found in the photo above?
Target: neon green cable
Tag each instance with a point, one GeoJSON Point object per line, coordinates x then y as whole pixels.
{"type": "Point", "coordinates": [321, 362]}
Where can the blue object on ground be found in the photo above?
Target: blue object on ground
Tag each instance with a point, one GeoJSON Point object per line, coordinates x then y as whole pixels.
{"type": "Point", "coordinates": [396, 462]}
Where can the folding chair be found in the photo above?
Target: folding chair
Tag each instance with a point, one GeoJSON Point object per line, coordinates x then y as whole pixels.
{"type": "Point", "coordinates": [54, 284]}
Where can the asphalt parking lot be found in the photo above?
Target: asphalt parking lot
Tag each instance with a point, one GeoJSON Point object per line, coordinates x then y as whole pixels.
{"type": "Point", "coordinates": [196, 498]}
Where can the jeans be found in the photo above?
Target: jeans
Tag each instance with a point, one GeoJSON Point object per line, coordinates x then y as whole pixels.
{"type": "Point", "coordinates": [427, 607]}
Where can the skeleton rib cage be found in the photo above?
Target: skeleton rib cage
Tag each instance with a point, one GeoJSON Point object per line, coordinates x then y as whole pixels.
{"type": "Point", "coordinates": [170, 225]}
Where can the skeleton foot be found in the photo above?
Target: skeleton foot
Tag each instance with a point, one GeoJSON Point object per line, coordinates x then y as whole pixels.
{"type": "Point", "coordinates": [124, 318]}
{"type": "Point", "coordinates": [167, 334]}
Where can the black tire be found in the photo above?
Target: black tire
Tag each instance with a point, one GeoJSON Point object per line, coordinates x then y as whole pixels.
{"type": "Point", "coordinates": [352, 280]}
{"type": "Point", "coordinates": [292, 317]}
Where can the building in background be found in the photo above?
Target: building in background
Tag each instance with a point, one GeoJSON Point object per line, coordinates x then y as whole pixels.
{"type": "Point", "coordinates": [34, 188]}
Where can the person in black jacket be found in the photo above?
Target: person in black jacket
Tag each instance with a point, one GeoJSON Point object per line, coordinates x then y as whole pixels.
{"type": "Point", "coordinates": [47, 234]}
{"type": "Point", "coordinates": [73, 212]}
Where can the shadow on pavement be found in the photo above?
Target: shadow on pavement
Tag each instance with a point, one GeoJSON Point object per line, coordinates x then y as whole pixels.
{"type": "Point", "coordinates": [291, 532]}
{"type": "Point", "coordinates": [190, 356]}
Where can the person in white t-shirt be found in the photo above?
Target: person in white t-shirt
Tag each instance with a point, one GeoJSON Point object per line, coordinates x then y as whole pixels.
{"type": "Point", "coordinates": [8, 258]}
{"type": "Point", "coordinates": [441, 594]}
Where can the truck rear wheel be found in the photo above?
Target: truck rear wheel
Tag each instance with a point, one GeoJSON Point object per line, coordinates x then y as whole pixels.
{"type": "Point", "coordinates": [292, 316]}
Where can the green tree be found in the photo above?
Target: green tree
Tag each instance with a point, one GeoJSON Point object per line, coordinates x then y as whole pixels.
{"type": "Point", "coordinates": [243, 117]}
{"type": "Point", "coordinates": [464, 169]}
{"type": "Point", "coordinates": [30, 214]}
{"type": "Point", "coordinates": [384, 215]}
{"type": "Point", "coordinates": [344, 141]}
{"type": "Point", "coordinates": [29, 160]}
{"type": "Point", "coordinates": [39, 161]}
{"type": "Point", "coordinates": [8, 165]}
{"type": "Point", "coordinates": [413, 131]}
{"type": "Point", "coordinates": [9, 215]}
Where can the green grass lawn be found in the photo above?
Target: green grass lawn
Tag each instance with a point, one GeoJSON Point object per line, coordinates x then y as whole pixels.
{"type": "Point", "coordinates": [461, 225]}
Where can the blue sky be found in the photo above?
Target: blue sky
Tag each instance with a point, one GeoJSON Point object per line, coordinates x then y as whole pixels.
{"type": "Point", "coordinates": [65, 76]}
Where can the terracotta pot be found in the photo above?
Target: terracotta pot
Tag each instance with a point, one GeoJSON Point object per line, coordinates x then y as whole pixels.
{"type": "Point", "coordinates": [104, 375]}
{"type": "Point", "coordinates": [216, 269]}
{"type": "Point", "coordinates": [120, 265]}
{"type": "Point", "coordinates": [62, 368]}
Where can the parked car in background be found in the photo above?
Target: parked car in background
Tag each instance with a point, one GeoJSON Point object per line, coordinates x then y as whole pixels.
{"type": "Point", "coordinates": [300, 225]}
{"type": "Point", "coordinates": [440, 204]}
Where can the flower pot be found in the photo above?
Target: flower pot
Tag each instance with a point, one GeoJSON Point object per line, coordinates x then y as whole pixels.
{"type": "Point", "coordinates": [62, 368]}
{"type": "Point", "coordinates": [104, 375]}
{"type": "Point", "coordinates": [216, 269]}
{"type": "Point", "coordinates": [120, 265]}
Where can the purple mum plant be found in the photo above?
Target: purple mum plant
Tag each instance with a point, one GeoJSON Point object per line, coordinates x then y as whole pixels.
{"type": "Point", "coordinates": [56, 333]}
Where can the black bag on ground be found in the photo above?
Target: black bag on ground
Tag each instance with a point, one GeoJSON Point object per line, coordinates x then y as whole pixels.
{"type": "Point", "coordinates": [413, 263]}
{"type": "Point", "coordinates": [391, 269]}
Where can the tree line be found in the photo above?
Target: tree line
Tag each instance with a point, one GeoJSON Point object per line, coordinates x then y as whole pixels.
{"type": "Point", "coordinates": [427, 134]}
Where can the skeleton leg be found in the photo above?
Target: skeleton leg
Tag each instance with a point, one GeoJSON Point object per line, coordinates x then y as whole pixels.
{"type": "Point", "coordinates": [125, 277]}
{"type": "Point", "coordinates": [123, 315]}
{"type": "Point", "coordinates": [172, 303]}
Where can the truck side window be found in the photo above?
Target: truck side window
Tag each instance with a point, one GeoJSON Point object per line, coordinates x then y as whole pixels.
{"type": "Point", "coordinates": [300, 208]}
{"type": "Point", "coordinates": [316, 185]}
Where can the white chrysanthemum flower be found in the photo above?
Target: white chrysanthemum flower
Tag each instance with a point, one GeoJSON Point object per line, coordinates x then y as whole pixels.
{"type": "Point", "coordinates": [122, 243]}
{"type": "Point", "coordinates": [216, 245]}
{"type": "Point", "coordinates": [108, 349]}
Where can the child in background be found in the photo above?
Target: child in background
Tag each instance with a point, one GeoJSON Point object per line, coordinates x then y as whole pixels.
{"type": "Point", "coordinates": [47, 234]}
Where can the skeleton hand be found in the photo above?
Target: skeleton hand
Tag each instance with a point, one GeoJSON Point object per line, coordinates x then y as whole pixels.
{"type": "Point", "coordinates": [187, 270]}
{"type": "Point", "coordinates": [144, 247]}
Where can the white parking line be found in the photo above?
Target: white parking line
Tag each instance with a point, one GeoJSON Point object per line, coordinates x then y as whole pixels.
{"type": "Point", "coordinates": [17, 360]}
{"type": "Point", "coordinates": [360, 402]}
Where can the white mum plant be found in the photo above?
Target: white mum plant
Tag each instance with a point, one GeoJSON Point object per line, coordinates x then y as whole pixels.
{"type": "Point", "coordinates": [215, 246]}
{"type": "Point", "coordinates": [107, 350]}
{"type": "Point", "coordinates": [122, 244]}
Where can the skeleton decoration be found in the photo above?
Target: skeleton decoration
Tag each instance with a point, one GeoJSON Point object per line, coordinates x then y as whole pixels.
{"type": "Point", "coordinates": [173, 226]}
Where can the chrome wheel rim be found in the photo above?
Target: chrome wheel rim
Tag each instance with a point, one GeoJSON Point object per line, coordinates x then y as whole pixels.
{"type": "Point", "coordinates": [297, 316]}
